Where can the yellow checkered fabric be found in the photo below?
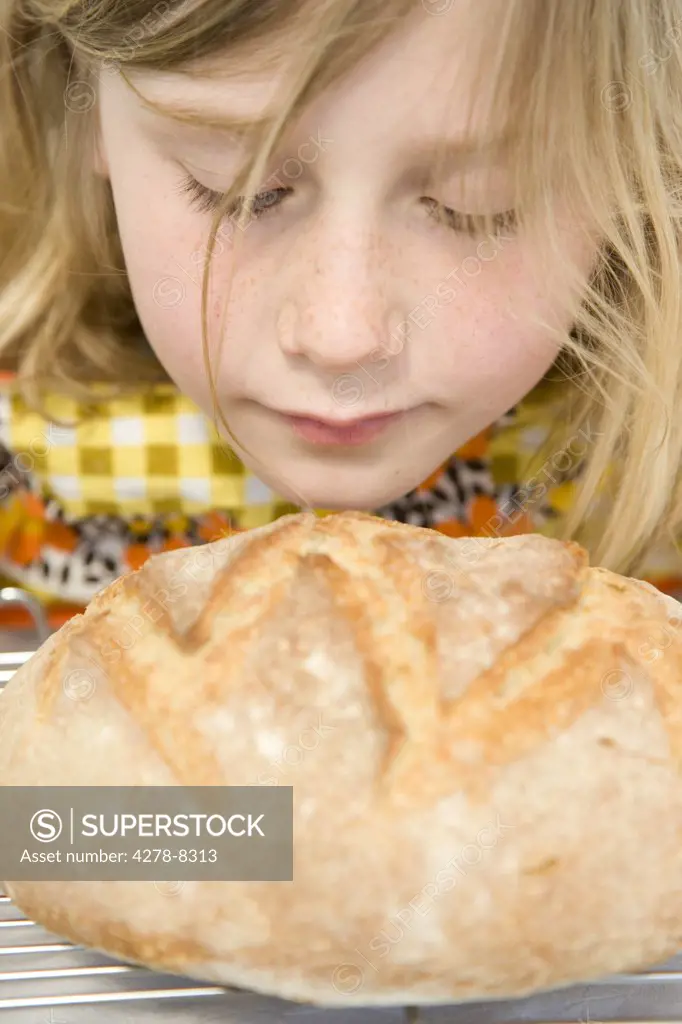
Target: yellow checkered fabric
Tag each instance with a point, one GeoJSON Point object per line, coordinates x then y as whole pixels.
{"type": "Point", "coordinates": [148, 454]}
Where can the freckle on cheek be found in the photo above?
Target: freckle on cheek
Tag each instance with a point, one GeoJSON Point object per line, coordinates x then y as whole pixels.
{"type": "Point", "coordinates": [286, 324]}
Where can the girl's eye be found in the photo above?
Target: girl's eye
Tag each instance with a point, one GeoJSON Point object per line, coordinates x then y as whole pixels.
{"type": "Point", "coordinates": [471, 224]}
{"type": "Point", "coordinates": [207, 200]}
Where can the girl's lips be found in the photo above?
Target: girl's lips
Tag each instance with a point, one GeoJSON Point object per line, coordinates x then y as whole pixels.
{"type": "Point", "coordinates": [356, 433]}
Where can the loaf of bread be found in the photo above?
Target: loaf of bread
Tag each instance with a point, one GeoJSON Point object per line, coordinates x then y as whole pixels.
{"type": "Point", "coordinates": [489, 799]}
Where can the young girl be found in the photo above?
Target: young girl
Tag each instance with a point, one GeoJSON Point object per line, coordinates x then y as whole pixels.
{"type": "Point", "coordinates": [416, 257]}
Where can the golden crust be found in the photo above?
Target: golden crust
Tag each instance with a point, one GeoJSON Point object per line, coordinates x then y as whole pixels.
{"type": "Point", "coordinates": [498, 759]}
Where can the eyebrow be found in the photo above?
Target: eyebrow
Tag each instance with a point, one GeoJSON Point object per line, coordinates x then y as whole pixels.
{"type": "Point", "coordinates": [455, 155]}
{"type": "Point", "coordinates": [202, 116]}
{"type": "Point", "coordinates": [446, 155]}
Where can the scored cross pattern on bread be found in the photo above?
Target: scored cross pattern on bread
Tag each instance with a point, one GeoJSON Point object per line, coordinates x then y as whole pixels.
{"type": "Point", "coordinates": [493, 755]}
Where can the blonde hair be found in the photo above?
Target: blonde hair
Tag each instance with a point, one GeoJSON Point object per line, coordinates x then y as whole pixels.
{"type": "Point", "coordinates": [593, 112]}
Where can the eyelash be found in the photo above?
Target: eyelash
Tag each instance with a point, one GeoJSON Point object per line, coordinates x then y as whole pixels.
{"type": "Point", "coordinates": [470, 224]}
{"type": "Point", "coordinates": [207, 200]}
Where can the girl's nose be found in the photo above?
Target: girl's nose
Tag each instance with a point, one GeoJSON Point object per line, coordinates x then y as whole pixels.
{"type": "Point", "coordinates": [337, 308]}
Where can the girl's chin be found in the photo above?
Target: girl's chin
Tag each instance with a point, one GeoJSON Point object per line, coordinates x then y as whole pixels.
{"type": "Point", "coordinates": [357, 495]}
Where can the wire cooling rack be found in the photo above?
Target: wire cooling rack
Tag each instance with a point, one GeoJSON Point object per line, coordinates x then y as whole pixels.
{"type": "Point", "coordinates": [46, 980]}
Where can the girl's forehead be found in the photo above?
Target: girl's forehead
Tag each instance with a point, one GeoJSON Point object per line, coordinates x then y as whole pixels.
{"type": "Point", "coordinates": [426, 71]}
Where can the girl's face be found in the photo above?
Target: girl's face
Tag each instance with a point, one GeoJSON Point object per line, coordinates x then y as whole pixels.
{"type": "Point", "coordinates": [355, 292]}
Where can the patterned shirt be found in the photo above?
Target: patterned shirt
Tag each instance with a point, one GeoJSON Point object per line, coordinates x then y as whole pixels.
{"type": "Point", "coordinates": [82, 505]}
